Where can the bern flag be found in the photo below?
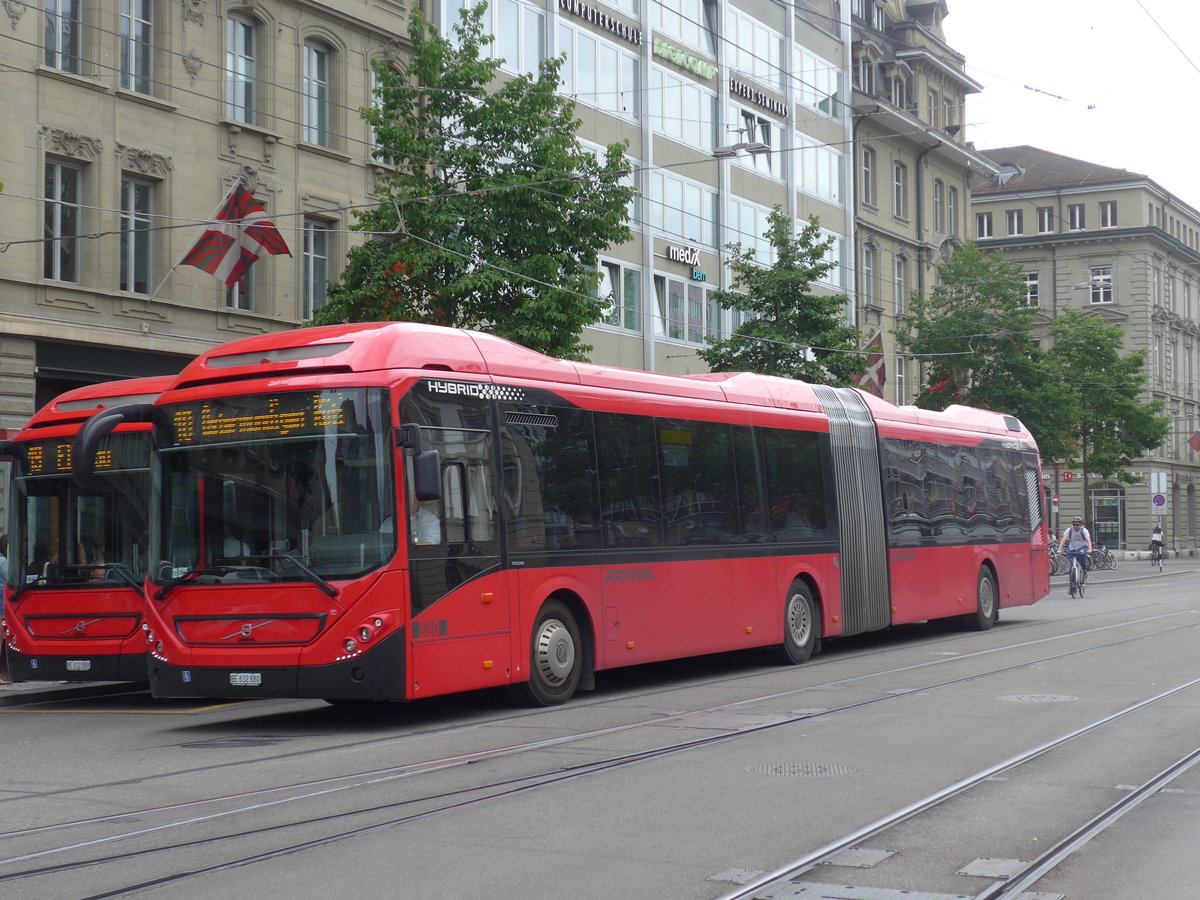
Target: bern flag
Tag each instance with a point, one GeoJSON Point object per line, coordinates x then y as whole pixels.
{"type": "Point", "coordinates": [239, 235]}
{"type": "Point", "coordinates": [873, 379]}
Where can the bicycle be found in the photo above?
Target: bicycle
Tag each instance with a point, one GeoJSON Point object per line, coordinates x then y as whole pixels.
{"type": "Point", "coordinates": [1102, 559]}
{"type": "Point", "coordinates": [1078, 572]}
{"type": "Point", "coordinates": [1156, 555]}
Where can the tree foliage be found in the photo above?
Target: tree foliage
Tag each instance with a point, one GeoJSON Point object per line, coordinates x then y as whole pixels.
{"type": "Point", "coordinates": [790, 330]}
{"type": "Point", "coordinates": [1115, 424]}
{"type": "Point", "coordinates": [491, 213]}
{"type": "Point", "coordinates": [974, 334]}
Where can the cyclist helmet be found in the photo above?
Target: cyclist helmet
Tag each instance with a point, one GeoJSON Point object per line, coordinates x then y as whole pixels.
{"type": "Point", "coordinates": [1078, 519]}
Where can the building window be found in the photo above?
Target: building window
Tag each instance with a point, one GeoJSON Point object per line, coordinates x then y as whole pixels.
{"type": "Point", "coordinates": [316, 94]}
{"type": "Point", "coordinates": [241, 38]}
{"type": "Point", "coordinates": [952, 211]}
{"type": "Point", "coordinates": [1031, 289]}
{"type": "Point", "coordinates": [898, 379]}
{"type": "Point", "coordinates": [136, 45]}
{"type": "Point", "coordinates": [1108, 213]}
{"type": "Point", "coordinates": [749, 222]}
{"type": "Point", "coordinates": [64, 28]}
{"type": "Point", "coordinates": [519, 29]}
{"type": "Point", "coordinates": [820, 168]}
{"type": "Point", "coordinates": [754, 49]}
{"type": "Point", "coordinates": [622, 286]}
{"type": "Point", "coordinates": [868, 276]}
{"type": "Point", "coordinates": [901, 284]}
{"type": "Point", "coordinates": [137, 211]}
{"type": "Point", "coordinates": [939, 206]}
{"type": "Point", "coordinates": [682, 208]}
{"type": "Point", "coordinates": [868, 176]}
{"type": "Point", "coordinates": [241, 294]}
{"type": "Point", "coordinates": [316, 265]}
{"type": "Point", "coordinates": [1016, 221]}
{"type": "Point", "coordinates": [691, 22]}
{"type": "Point", "coordinates": [685, 311]}
{"type": "Point", "coordinates": [602, 75]}
{"type": "Point", "coordinates": [899, 190]}
{"type": "Point", "coordinates": [1045, 220]}
{"type": "Point", "coordinates": [1100, 279]}
{"type": "Point", "coordinates": [935, 108]}
{"type": "Point", "coordinates": [983, 225]}
{"type": "Point", "coordinates": [1075, 218]}
{"type": "Point", "coordinates": [63, 220]}
{"type": "Point", "coordinates": [678, 108]}
{"type": "Point", "coordinates": [754, 128]}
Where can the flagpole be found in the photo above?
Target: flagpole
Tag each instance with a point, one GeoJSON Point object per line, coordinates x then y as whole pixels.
{"type": "Point", "coordinates": [233, 187]}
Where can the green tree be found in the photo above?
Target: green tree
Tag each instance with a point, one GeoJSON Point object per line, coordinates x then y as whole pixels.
{"type": "Point", "coordinates": [974, 335]}
{"type": "Point", "coordinates": [492, 214]}
{"type": "Point", "coordinates": [1115, 423]}
{"type": "Point", "coordinates": [790, 330]}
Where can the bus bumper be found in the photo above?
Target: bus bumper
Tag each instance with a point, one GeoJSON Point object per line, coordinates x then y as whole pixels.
{"type": "Point", "coordinates": [76, 667]}
{"type": "Point", "coordinates": [377, 674]}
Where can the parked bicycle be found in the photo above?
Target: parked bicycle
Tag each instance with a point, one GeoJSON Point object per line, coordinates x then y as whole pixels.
{"type": "Point", "coordinates": [1059, 564]}
{"type": "Point", "coordinates": [1103, 559]}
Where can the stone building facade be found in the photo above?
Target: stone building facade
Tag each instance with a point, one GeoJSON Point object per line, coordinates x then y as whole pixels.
{"type": "Point", "coordinates": [1117, 245]}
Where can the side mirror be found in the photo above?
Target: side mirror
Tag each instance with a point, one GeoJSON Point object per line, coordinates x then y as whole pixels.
{"type": "Point", "coordinates": [95, 429]}
{"type": "Point", "coordinates": [11, 450]}
{"type": "Point", "coordinates": [427, 475]}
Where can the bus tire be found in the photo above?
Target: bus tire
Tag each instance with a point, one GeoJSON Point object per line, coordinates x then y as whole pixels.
{"type": "Point", "coordinates": [801, 627]}
{"type": "Point", "coordinates": [555, 657]}
{"type": "Point", "coordinates": [987, 606]}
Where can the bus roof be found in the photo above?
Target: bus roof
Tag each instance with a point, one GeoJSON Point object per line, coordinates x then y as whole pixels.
{"type": "Point", "coordinates": [444, 352]}
{"type": "Point", "coordinates": [80, 404]}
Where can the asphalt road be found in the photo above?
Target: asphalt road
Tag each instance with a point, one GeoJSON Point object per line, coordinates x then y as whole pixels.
{"type": "Point", "coordinates": [689, 780]}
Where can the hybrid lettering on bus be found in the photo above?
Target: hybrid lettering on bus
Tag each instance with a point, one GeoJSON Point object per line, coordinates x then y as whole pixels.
{"type": "Point", "coordinates": [398, 511]}
{"type": "Point", "coordinates": [77, 554]}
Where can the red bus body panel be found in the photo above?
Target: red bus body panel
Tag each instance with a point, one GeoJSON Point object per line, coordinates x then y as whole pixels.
{"type": "Point", "coordinates": [80, 633]}
{"type": "Point", "coordinates": [478, 634]}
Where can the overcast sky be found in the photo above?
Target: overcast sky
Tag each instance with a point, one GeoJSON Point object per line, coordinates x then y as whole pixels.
{"type": "Point", "coordinates": [1108, 81]}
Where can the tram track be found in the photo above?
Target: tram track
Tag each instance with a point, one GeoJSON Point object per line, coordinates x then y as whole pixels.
{"type": "Point", "coordinates": [760, 886]}
{"type": "Point", "coordinates": [447, 801]}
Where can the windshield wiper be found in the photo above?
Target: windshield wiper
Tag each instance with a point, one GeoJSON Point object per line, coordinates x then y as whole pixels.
{"type": "Point", "coordinates": [316, 579]}
{"type": "Point", "coordinates": [169, 586]}
{"type": "Point", "coordinates": [123, 575]}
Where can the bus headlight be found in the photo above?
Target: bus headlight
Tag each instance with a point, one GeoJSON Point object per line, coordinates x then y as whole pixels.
{"type": "Point", "coordinates": [351, 645]}
{"type": "Point", "coordinates": [364, 634]}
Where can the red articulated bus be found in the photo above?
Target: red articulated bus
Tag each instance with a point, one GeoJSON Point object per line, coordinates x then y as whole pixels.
{"type": "Point", "coordinates": [395, 511]}
{"type": "Point", "coordinates": [77, 554]}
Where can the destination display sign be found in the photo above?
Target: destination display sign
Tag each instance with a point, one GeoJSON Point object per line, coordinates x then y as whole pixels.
{"type": "Point", "coordinates": [257, 416]}
{"type": "Point", "coordinates": [54, 456]}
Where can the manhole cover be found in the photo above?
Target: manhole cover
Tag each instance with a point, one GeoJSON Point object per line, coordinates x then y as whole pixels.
{"type": "Point", "coordinates": [803, 770]}
{"type": "Point", "coordinates": [1038, 698]}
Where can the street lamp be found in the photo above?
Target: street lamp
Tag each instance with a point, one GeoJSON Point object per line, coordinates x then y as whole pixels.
{"type": "Point", "coordinates": [730, 150]}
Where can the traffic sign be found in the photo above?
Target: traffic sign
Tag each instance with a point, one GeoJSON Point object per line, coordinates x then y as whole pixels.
{"type": "Point", "coordinates": [1194, 442]}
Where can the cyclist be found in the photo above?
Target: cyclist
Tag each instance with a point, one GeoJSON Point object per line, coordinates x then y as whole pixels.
{"type": "Point", "coordinates": [1077, 542]}
{"type": "Point", "coordinates": [1156, 544]}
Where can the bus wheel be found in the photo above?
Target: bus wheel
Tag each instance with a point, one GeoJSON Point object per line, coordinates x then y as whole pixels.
{"type": "Point", "coordinates": [555, 657]}
{"type": "Point", "coordinates": [987, 609]}
{"type": "Point", "coordinates": [801, 627]}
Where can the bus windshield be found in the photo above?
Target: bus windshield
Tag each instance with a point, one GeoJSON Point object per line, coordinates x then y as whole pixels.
{"type": "Point", "coordinates": [288, 486]}
{"type": "Point", "coordinates": [65, 537]}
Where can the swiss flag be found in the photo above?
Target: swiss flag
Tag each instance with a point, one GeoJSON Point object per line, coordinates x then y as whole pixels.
{"type": "Point", "coordinates": [240, 235]}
